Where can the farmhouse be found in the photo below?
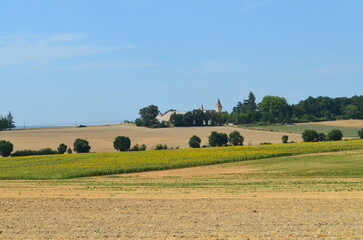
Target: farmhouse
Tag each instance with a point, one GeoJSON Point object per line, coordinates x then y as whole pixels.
{"type": "Point", "coordinates": [166, 116]}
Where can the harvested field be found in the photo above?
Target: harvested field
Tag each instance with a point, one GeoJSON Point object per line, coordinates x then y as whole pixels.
{"type": "Point", "coordinates": [315, 196]}
{"type": "Point", "coordinates": [101, 137]}
{"type": "Point", "coordinates": [343, 123]}
{"type": "Point", "coordinates": [262, 218]}
{"type": "Point", "coordinates": [349, 128]}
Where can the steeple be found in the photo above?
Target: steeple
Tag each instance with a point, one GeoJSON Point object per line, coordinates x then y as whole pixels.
{"type": "Point", "coordinates": [201, 108]}
{"type": "Point", "coordinates": [218, 107]}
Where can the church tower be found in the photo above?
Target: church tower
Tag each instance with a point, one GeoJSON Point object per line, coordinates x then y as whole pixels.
{"type": "Point", "coordinates": [218, 107]}
{"type": "Point", "coordinates": [202, 108]}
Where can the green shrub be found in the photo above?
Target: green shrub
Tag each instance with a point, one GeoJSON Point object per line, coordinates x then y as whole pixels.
{"type": "Point", "coordinates": [321, 137]}
{"type": "Point", "coordinates": [235, 138]}
{"type": "Point", "coordinates": [137, 147]}
{"type": "Point", "coordinates": [69, 151]}
{"type": "Point", "coordinates": [62, 148]}
{"type": "Point", "coordinates": [122, 143]}
{"type": "Point", "coordinates": [360, 133]}
{"type": "Point", "coordinates": [194, 141]}
{"type": "Point", "coordinates": [27, 152]}
{"type": "Point", "coordinates": [46, 151]}
{"type": "Point", "coordinates": [217, 139]}
{"type": "Point", "coordinates": [285, 139]}
{"type": "Point", "coordinates": [335, 135]}
{"type": "Point", "coordinates": [161, 147]}
{"type": "Point", "coordinates": [310, 136]}
{"type": "Point", "coordinates": [81, 146]}
{"type": "Point", "coordinates": [6, 148]}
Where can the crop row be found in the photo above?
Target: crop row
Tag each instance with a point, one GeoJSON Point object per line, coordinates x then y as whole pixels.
{"type": "Point", "coordinates": [92, 164]}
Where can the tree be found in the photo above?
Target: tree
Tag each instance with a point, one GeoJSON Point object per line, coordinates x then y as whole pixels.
{"type": "Point", "coordinates": [198, 117]}
{"type": "Point", "coordinates": [321, 137]}
{"type": "Point", "coordinates": [10, 120]}
{"type": "Point", "coordinates": [177, 120]}
{"type": "Point", "coordinates": [251, 103]}
{"type": "Point", "coordinates": [351, 112]}
{"type": "Point", "coordinates": [69, 151]}
{"type": "Point", "coordinates": [188, 119]}
{"type": "Point", "coordinates": [248, 105]}
{"type": "Point", "coordinates": [147, 116]}
{"type": "Point", "coordinates": [310, 136]}
{"type": "Point", "coordinates": [81, 146]}
{"type": "Point", "coordinates": [360, 133]}
{"type": "Point", "coordinates": [217, 139]}
{"type": "Point", "coordinates": [6, 148]}
{"type": "Point", "coordinates": [335, 135]}
{"type": "Point", "coordinates": [285, 139]}
{"type": "Point", "coordinates": [122, 143]}
{"type": "Point", "coordinates": [62, 148]}
{"type": "Point", "coordinates": [235, 138]}
{"type": "Point", "coordinates": [194, 142]}
{"type": "Point", "coordinates": [277, 108]}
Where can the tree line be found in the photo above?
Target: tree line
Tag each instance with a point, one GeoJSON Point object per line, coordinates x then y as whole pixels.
{"type": "Point", "coordinates": [123, 143]}
{"type": "Point", "coordinates": [272, 109]}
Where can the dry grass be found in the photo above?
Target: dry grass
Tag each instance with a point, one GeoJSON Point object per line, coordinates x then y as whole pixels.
{"type": "Point", "coordinates": [343, 123]}
{"type": "Point", "coordinates": [101, 137]}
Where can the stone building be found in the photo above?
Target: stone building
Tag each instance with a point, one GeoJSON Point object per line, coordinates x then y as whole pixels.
{"type": "Point", "coordinates": [166, 116]}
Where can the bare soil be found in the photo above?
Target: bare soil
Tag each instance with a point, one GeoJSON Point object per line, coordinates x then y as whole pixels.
{"type": "Point", "coordinates": [222, 218]}
{"type": "Point", "coordinates": [101, 137]}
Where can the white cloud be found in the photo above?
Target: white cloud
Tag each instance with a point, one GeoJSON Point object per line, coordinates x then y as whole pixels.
{"type": "Point", "coordinates": [40, 50]}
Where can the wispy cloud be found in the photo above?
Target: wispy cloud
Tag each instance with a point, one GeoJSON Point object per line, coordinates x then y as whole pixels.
{"type": "Point", "coordinates": [38, 50]}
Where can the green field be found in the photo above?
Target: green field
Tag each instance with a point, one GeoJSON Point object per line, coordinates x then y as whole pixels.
{"type": "Point", "coordinates": [332, 172]}
{"type": "Point", "coordinates": [300, 128]}
{"type": "Point", "coordinates": [93, 164]}
{"type": "Point", "coordinates": [294, 174]}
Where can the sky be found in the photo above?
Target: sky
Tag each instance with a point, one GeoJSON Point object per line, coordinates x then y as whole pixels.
{"type": "Point", "coordinates": [82, 61]}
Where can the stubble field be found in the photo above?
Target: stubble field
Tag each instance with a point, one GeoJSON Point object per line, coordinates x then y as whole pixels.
{"type": "Point", "coordinates": [101, 137]}
{"type": "Point", "coordinates": [314, 196]}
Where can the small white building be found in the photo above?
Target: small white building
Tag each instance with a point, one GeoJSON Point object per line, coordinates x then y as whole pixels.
{"type": "Point", "coordinates": [166, 116]}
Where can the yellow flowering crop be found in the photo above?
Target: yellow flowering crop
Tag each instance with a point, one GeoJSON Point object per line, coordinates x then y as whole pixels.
{"type": "Point", "coordinates": [91, 164]}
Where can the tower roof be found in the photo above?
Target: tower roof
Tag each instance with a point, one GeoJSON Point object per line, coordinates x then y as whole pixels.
{"type": "Point", "coordinates": [218, 107]}
{"type": "Point", "coordinates": [219, 102]}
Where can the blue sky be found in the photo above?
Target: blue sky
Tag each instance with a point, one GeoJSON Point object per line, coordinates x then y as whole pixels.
{"type": "Point", "coordinates": [63, 61]}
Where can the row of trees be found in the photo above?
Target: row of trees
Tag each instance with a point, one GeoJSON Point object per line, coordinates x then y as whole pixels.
{"type": "Point", "coordinates": [272, 109]}
{"type": "Point", "coordinates": [6, 149]}
{"type": "Point", "coordinates": [122, 143]}
{"type": "Point", "coordinates": [198, 118]}
{"type": "Point", "coordinates": [314, 136]}
{"type": "Point", "coordinates": [217, 139]}
{"type": "Point", "coordinates": [276, 109]}
{"type": "Point", "coordinates": [7, 122]}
